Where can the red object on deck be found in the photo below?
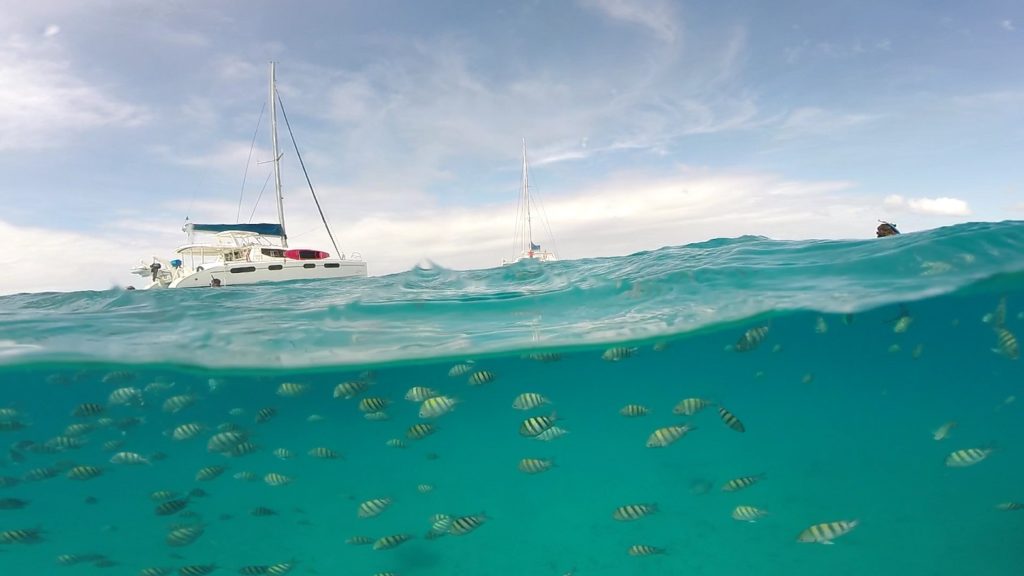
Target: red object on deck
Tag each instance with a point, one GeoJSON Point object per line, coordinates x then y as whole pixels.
{"type": "Point", "coordinates": [306, 254]}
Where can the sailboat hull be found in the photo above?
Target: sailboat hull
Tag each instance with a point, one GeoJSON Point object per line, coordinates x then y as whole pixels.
{"type": "Point", "coordinates": [243, 273]}
{"type": "Point", "coordinates": [535, 255]}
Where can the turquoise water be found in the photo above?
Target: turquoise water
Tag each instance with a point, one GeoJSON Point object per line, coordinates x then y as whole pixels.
{"type": "Point", "coordinates": [871, 346]}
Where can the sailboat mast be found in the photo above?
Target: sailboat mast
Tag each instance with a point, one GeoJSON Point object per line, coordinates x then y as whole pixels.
{"type": "Point", "coordinates": [277, 155]}
{"type": "Point", "coordinates": [526, 200]}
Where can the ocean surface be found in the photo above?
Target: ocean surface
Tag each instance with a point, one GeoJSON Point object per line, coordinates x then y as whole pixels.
{"type": "Point", "coordinates": [868, 386]}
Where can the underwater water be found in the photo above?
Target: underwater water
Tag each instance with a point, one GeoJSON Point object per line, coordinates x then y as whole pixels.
{"type": "Point", "coordinates": [838, 360]}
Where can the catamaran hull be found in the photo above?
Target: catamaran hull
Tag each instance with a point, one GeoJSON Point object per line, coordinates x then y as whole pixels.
{"type": "Point", "coordinates": [242, 273]}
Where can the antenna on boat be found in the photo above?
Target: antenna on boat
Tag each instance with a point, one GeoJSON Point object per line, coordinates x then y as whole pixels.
{"type": "Point", "coordinates": [277, 155]}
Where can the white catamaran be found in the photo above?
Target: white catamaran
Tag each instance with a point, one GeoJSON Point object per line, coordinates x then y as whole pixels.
{"type": "Point", "coordinates": [522, 237]}
{"type": "Point", "coordinates": [234, 254]}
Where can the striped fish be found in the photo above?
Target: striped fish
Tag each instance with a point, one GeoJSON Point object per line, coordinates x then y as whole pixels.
{"type": "Point", "coordinates": [176, 404]}
{"type": "Point", "coordinates": [1010, 506]}
{"type": "Point", "coordinates": [437, 406]}
{"type": "Point", "coordinates": [551, 433]}
{"type": "Point", "coordinates": [292, 389]}
{"type": "Point", "coordinates": [420, 431]}
{"type": "Point", "coordinates": [1006, 344]}
{"type": "Point", "coordinates": [323, 453]}
{"type": "Point", "coordinates": [275, 479]}
{"type": "Point", "coordinates": [535, 465]}
{"type": "Point", "coordinates": [373, 404]}
{"type": "Point", "coordinates": [23, 536]}
{"type": "Point", "coordinates": [690, 406]}
{"type": "Point", "coordinates": [826, 532]}
{"type": "Point", "coordinates": [466, 524]}
{"type": "Point", "coordinates": [171, 507]}
{"type": "Point", "coordinates": [730, 420]}
{"type": "Point", "coordinates": [439, 526]}
{"type": "Point", "coordinates": [967, 457]}
{"type": "Point", "coordinates": [265, 414]}
{"type": "Point", "coordinates": [481, 377]}
{"type": "Point", "coordinates": [374, 507]}
{"type": "Point", "coordinates": [742, 482]}
{"type": "Point", "coordinates": [751, 339]}
{"type": "Point", "coordinates": [187, 431]}
{"type": "Point", "coordinates": [645, 550]}
{"type": "Point", "coordinates": [529, 401]}
{"type": "Point", "coordinates": [460, 369]}
{"type": "Point", "coordinates": [747, 513]}
{"type": "Point", "coordinates": [634, 410]}
{"type": "Point", "coordinates": [618, 353]}
{"type": "Point", "coordinates": [351, 389]}
{"type": "Point", "coordinates": [209, 473]}
{"type": "Point", "coordinates": [663, 437]}
{"type": "Point", "coordinates": [634, 511]}
{"type": "Point", "coordinates": [198, 570]}
{"type": "Point", "coordinates": [536, 425]}
{"type": "Point", "coordinates": [84, 472]}
{"type": "Point", "coordinates": [389, 542]}
{"type": "Point", "coordinates": [420, 393]}
{"type": "Point", "coordinates": [88, 409]}
{"type": "Point", "coordinates": [183, 535]}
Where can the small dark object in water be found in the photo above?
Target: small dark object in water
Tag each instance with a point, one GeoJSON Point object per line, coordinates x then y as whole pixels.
{"type": "Point", "coordinates": [886, 229]}
{"type": "Point", "coordinates": [433, 456]}
{"type": "Point", "coordinates": [12, 503]}
{"type": "Point", "coordinates": [92, 500]}
{"type": "Point", "coordinates": [198, 493]}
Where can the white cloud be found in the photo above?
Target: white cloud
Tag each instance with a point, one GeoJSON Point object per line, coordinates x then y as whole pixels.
{"type": "Point", "coordinates": [440, 97]}
{"type": "Point", "coordinates": [55, 260]}
{"type": "Point", "coordinates": [655, 15]}
{"type": "Point", "coordinates": [1007, 25]}
{"type": "Point", "coordinates": [43, 103]}
{"type": "Point", "coordinates": [943, 206]}
{"type": "Point", "coordinates": [51, 31]}
{"type": "Point", "coordinates": [818, 122]}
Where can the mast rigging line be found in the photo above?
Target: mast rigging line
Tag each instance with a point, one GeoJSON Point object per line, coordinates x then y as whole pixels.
{"type": "Point", "coordinates": [262, 190]}
{"type": "Point", "coordinates": [248, 161]}
{"type": "Point", "coordinates": [306, 174]}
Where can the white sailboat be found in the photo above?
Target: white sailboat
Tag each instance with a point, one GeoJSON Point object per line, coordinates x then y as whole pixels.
{"type": "Point", "coordinates": [522, 237]}
{"type": "Point", "coordinates": [235, 254]}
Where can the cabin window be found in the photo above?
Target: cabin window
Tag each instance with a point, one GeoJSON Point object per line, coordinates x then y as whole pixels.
{"type": "Point", "coordinates": [310, 265]}
{"type": "Point", "coordinates": [243, 269]}
{"type": "Point", "coordinates": [275, 267]}
{"type": "Point", "coordinates": [273, 253]}
{"type": "Point", "coordinates": [332, 265]}
{"type": "Point", "coordinates": [308, 255]}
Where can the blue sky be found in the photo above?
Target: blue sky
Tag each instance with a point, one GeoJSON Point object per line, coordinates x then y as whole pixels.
{"type": "Point", "coordinates": [650, 123]}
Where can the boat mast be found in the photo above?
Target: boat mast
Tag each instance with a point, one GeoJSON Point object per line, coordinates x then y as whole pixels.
{"type": "Point", "coordinates": [526, 201]}
{"type": "Point", "coordinates": [277, 155]}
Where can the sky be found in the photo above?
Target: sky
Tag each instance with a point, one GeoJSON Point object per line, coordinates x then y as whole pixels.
{"type": "Point", "coordinates": [649, 123]}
